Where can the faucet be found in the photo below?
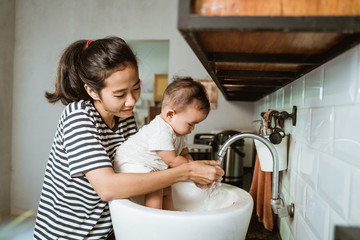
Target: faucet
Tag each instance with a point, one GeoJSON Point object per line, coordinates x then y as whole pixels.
{"type": "Point", "coordinates": [277, 201]}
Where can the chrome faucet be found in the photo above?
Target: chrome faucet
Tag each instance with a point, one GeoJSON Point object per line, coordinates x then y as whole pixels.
{"type": "Point", "coordinates": [277, 201]}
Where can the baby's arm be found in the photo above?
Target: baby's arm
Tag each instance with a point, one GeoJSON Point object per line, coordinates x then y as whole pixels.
{"type": "Point", "coordinates": [171, 159]}
{"type": "Point", "coordinates": [185, 153]}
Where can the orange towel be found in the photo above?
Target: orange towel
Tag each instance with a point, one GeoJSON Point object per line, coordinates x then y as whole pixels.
{"type": "Point", "coordinates": [260, 191]}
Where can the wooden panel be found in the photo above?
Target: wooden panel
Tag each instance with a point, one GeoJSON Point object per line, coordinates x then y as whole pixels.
{"type": "Point", "coordinates": [251, 82]}
{"type": "Point", "coordinates": [276, 7]}
{"type": "Point", "coordinates": [268, 42]}
{"type": "Point", "coordinates": [257, 67]}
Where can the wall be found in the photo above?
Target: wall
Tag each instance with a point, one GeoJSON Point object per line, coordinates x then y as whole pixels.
{"type": "Point", "coordinates": [324, 158]}
{"type": "Point", "coordinates": [7, 23]}
{"type": "Point", "coordinates": [43, 29]}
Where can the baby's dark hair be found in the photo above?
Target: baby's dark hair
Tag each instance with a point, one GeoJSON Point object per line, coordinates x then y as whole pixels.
{"type": "Point", "coordinates": [90, 63]}
{"type": "Point", "coordinates": [182, 91]}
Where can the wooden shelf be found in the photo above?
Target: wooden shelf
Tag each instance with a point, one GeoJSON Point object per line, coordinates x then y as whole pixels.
{"type": "Point", "coordinates": [251, 51]}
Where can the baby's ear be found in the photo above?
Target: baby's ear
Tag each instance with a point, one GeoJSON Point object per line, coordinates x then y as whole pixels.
{"type": "Point", "coordinates": [169, 113]}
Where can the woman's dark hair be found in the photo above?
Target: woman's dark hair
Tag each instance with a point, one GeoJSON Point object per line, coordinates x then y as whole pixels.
{"type": "Point", "coordinates": [183, 91]}
{"type": "Point", "coordinates": [90, 63]}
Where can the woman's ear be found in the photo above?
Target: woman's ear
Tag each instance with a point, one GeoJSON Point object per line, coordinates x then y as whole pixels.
{"type": "Point", "coordinates": [91, 93]}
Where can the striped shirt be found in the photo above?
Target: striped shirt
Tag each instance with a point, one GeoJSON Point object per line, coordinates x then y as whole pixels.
{"type": "Point", "coordinates": [69, 208]}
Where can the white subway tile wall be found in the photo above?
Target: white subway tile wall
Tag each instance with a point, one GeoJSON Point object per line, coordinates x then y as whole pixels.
{"type": "Point", "coordinates": [334, 184]}
{"type": "Point", "coordinates": [309, 165]}
{"type": "Point", "coordinates": [340, 79]}
{"type": "Point", "coordinates": [313, 92]}
{"type": "Point", "coordinates": [354, 197]}
{"type": "Point", "coordinates": [287, 96]}
{"type": "Point", "coordinates": [303, 231]}
{"type": "Point", "coordinates": [323, 174]}
{"type": "Point", "coordinates": [347, 133]}
{"type": "Point", "coordinates": [316, 212]}
{"type": "Point", "coordinates": [322, 129]}
{"type": "Point", "coordinates": [289, 175]}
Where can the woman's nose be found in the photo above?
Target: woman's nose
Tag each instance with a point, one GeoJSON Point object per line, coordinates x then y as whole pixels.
{"type": "Point", "coordinates": [130, 100]}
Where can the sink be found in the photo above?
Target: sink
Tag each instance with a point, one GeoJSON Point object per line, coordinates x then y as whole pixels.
{"type": "Point", "coordinates": [212, 214]}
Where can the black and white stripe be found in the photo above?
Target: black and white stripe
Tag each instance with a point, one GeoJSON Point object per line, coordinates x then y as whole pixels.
{"type": "Point", "coordinates": [69, 207]}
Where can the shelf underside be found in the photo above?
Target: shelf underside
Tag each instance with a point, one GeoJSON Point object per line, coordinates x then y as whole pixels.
{"type": "Point", "coordinates": [251, 57]}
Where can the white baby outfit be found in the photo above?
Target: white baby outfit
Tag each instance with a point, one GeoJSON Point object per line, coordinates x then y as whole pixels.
{"type": "Point", "coordinates": [137, 154]}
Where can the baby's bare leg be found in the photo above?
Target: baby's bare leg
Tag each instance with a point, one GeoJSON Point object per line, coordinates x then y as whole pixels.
{"type": "Point", "coordinates": [154, 199]}
{"type": "Point", "coordinates": [167, 199]}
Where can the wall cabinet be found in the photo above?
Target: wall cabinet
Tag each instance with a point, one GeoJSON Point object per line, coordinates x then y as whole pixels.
{"type": "Point", "coordinates": [252, 48]}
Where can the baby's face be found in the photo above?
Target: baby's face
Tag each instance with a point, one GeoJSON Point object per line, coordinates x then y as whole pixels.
{"type": "Point", "coordinates": [184, 122]}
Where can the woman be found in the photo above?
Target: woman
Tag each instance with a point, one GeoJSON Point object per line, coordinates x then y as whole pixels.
{"type": "Point", "coordinates": [99, 83]}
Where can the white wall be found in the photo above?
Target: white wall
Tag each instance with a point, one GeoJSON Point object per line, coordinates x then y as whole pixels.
{"type": "Point", "coordinates": [43, 29]}
{"type": "Point", "coordinates": [7, 22]}
{"type": "Point", "coordinates": [324, 159]}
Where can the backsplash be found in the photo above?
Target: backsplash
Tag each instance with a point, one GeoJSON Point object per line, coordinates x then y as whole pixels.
{"type": "Point", "coordinates": [323, 173]}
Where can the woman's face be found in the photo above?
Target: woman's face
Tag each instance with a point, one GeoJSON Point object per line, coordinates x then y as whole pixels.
{"type": "Point", "coordinates": [121, 91]}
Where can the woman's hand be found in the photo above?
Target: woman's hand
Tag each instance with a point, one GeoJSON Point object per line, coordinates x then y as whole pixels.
{"type": "Point", "coordinates": [204, 173]}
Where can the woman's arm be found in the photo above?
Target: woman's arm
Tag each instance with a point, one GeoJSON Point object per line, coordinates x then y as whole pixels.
{"type": "Point", "coordinates": [110, 185]}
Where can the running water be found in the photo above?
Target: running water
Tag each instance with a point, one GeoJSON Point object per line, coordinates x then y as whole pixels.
{"type": "Point", "coordinates": [214, 188]}
{"type": "Point", "coordinates": [217, 197]}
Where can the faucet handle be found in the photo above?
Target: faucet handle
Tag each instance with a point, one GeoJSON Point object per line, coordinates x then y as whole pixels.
{"type": "Point", "coordinates": [283, 212]}
{"type": "Point", "coordinates": [279, 207]}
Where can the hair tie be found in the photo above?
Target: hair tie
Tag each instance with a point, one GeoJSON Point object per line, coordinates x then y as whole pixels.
{"type": "Point", "coordinates": [88, 43]}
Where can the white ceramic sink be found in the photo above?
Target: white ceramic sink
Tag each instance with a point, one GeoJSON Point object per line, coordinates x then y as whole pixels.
{"type": "Point", "coordinates": [224, 215]}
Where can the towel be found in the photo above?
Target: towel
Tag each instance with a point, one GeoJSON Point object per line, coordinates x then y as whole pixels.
{"type": "Point", "coordinates": [260, 191]}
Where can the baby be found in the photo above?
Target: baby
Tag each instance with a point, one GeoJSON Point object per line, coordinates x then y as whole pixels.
{"type": "Point", "coordinates": [162, 143]}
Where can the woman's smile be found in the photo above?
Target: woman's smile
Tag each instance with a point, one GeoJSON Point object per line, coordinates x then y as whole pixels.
{"type": "Point", "coordinates": [128, 110]}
